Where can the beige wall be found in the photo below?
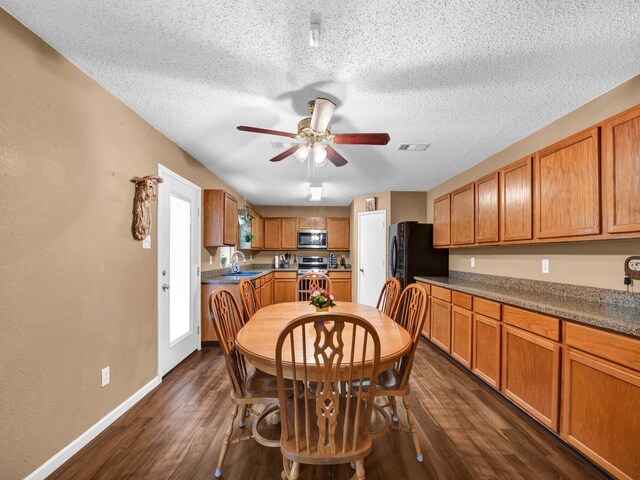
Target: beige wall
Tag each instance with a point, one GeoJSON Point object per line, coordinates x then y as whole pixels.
{"type": "Point", "coordinates": [78, 293]}
{"type": "Point", "coordinates": [597, 264]}
{"type": "Point", "coordinates": [408, 207]}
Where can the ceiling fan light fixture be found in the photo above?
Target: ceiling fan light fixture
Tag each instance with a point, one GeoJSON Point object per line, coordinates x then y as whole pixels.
{"type": "Point", "coordinates": [302, 153]}
{"type": "Point", "coordinates": [319, 155]}
{"type": "Point", "coordinates": [316, 192]}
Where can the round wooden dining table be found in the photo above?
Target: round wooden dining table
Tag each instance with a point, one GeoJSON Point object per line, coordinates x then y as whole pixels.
{"type": "Point", "coordinates": [257, 339]}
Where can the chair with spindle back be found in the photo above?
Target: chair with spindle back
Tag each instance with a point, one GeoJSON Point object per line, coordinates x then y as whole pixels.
{"type": "Point", "coordinates": [310, 282]}
{"type": "Point", "coordinates": [248, 386]}
{"type": "Point", "coordinates": [410, 313]}
{"type": "Point", "coordinates": [389, 296]}
{"type": "Point", "coordinates": [250, 300]}
{"type": "Point", "coordinates": [327, 421]}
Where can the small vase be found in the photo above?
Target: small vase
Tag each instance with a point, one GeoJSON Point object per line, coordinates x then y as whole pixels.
{"type": "Point", "coordinates": [323, 309]}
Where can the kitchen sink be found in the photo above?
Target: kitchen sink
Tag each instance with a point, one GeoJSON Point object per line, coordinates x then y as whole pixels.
{"type": "Point", "coordinates": [244, 273]}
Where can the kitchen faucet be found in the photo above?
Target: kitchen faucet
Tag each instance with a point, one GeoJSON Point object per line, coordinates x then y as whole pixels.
{"type": "Point", "coordinates": [235, 265]}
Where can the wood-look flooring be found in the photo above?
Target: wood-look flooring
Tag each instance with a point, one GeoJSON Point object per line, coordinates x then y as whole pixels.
{"type": "Point", "coordinates": [467, 432]}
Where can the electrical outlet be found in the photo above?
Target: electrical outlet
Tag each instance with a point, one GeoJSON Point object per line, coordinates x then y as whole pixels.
{"type": "Point", "coordinates": [545, 265]}
{"type": "Point", "coordinates": [210, 259]}
{"type": "Point", "coordinates": [473, 262]}
{"type": "Point", "coordinates": [146, 243]}
{"type": "Point", "coordinates": [106, 376]}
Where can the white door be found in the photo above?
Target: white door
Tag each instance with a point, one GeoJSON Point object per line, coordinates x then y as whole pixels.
{"type": "Point", "coordinates": [178, 269]}
{"type": "Point", "coordinates": [372, 255]}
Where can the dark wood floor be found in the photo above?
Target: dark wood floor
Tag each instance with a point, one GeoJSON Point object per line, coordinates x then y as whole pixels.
{"type": "Point", "coordinates": [467, 432]}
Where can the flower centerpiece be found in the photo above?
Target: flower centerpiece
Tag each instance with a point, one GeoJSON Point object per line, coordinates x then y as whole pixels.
{"type": "Point", "coordinates": [322, 300]}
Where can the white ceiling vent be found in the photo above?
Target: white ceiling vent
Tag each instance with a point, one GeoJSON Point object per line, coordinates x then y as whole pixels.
{"type": "Point", "coordinates": [414, 147]}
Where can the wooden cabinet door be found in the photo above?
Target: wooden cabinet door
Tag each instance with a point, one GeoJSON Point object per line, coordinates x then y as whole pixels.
{"type": "Point", "coordinates": [531, 374]}
{"type": "Point", "coordinates": [289, 234]}
{"type": "Point", "coordinates": [284, 290]}
{"type": "Point", "coordinates": [486, 349]}
{"type": "Point", "coordinates": [461, 340]}
{"type": "Point", "coordinates": [230, 236]}
{"type": "Point", "coordinates": [462, 215]}
{"type": "Point", "coordinates": [207, 332]}
{"type": "Point", "coordinates": [266, 295]}
{"type": "Point", "coordinates": [441, 323]}
{"type": "Point", "coordinates": [488, 209]}
{"type": "Point", "coordinates": [442, 221]}
{"type": "Point", "coordinates": [272, 233]}
{"type": "Point", "coordinates": [338, 233]}
{"type": "Point", "coordinates": [257, 228]}
{"type": "Point", "coordinates": [341, 286]}
{"type": "Point", "coordinates": [621, 161]}
{"type": "Point", "coordinates": [567, 179]}
{"type": "Point", "coordinates": [516, 201]}
{"type": "Point", "coordinates": [601, 401]}
{"type": "Point", "coordinates": [319, 223]}
{"type": "Point", "coordinates": [305, 223]}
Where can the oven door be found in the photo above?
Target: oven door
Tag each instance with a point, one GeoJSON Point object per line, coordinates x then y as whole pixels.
{"type": "Point", "coordinates": [312, 239]}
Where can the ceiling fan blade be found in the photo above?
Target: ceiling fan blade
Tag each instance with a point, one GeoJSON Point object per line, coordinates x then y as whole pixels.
{"type": "Point", "coordinates": [266, 131]}
{"type": "Point", "coordinates": [361, 138]}
{"type": "Point", "coordinates": [334, 157]}
{"type": "Point", "coordinates": [285, 154]}
{"type": "Point", "coordinates": [322, 111]}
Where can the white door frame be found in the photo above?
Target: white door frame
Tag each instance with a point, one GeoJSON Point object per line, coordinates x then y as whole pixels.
{"type": "Point", "coordinates": [386, 236]}
{"type": "Point", "coordinates": [165, 172]}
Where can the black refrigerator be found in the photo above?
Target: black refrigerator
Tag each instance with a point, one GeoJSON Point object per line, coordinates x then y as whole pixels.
{"type": "Point", "coordinates": [411, 253]}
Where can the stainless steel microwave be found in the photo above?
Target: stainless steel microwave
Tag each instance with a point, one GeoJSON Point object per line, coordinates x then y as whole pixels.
{"type": "Point", "coordinates": [312, 239]}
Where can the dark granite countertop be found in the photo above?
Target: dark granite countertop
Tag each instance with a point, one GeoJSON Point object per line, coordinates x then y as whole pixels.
{"type": "Point", "coordinates": [609, 309]}
{"type": "Point", "coordinates": [220, 277]}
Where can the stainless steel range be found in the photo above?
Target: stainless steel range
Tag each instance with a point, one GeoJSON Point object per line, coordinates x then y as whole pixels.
{"type": "Point", "coordinates": [312, 265]}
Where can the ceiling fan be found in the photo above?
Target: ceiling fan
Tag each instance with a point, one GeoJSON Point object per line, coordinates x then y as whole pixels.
{"type": "Point", "coordinates": [316, 133]}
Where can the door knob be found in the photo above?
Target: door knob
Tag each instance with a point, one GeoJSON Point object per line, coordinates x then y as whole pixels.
{"type": "Point", "coordinates": [165, 287]}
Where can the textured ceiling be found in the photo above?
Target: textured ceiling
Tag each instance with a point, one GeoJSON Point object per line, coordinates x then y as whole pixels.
{"type": "Point", "coordinates": [468, 77]}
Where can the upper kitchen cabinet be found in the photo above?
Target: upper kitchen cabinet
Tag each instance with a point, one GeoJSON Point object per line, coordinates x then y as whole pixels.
{"type": "Point", "coordinates": [338, 233]}
{"type": "Point", "coordinates": [462, 215]}
{"type": "Point", "coordinates": [257, 229]}
{"type": "Point", "coordinates": [488, 209]}
{"type": "Point", "coordinates": [621, 162]}
{"type": "Point", "coordinates": [220, 219]}
{"type": "Point", "coordinates": [280, 233]}
{"type": "Point", "coordinates": [517, 207]}
{"type": "Point", "coordinates": [568, 187]}
{"type": "Point", "coordinates": [312, 223]}
{"type": "Point", "coordinates": [442, 221]}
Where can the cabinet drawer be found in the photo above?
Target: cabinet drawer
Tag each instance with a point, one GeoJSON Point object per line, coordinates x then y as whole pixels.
{"type": "Point", "coordinates": [462, 300]}
{"type": "Point", "coordinates": [285, 274]}
{"type": "Point", "coordinates": [532, 322]}
{"type": "Point", "coordinates": [441, 293]}
{"type": "Point", "coordinates": [426, 286]}
{"type": "Point", "coordinates": [486, 307]}
{"type": "Point", "coordinates": [611, 346]}
{"type": "Point", "coordinates": [333, 275]}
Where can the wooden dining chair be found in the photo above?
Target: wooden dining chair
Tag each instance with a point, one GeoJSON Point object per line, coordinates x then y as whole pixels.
{"type": "Point", "coordinates": [310, 282]}
{"type": "Point", "coordinates": [389, 296]}
{"type": "Point", "coordinates": [250, 300]}
{"type": "Point", "coordinates": [410, 313]}
{"type": "Point", "coordinates": [249, 387]}
{"type": "Point", "coordinates": [327, 421]}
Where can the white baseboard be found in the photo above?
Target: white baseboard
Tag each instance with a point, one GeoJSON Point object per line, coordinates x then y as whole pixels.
{"type": "Point", "coordinates": [51, 465]}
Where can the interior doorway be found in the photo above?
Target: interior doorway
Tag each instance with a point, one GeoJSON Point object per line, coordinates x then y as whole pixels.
{"type": "Point", "coordinates": [372, 255]}
{"type": "Point", "coordinates": [179, 238]}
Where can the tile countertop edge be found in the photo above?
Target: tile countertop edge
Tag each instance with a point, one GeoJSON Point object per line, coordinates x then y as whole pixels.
{"type": "Point", "coordinates": [600, 320]}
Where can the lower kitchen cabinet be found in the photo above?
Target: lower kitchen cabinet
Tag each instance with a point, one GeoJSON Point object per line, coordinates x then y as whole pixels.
{"type": "Point", "coordinates": [208, 333]}
{"type": "Point", "coordinates": [266, 290]}
{"type": "Point", "coordinates": [531, 374]}
{"type": "Point", "coordinates": [341, 286]}
{"type": "Point", "coordinates": [441, 323]}
{"type": "Point", "coordinates": [284, 287]}
{"type": "Point", "coordinates": [487, 337]}
{"type": "Point", "coordinates": [426, 327]}
{"type": "Point", "coordinates": [461, 328]}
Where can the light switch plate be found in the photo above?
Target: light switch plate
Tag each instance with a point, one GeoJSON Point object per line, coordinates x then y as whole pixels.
{"type": "Point", "coordinates": [106, 376]}
{"type": "Point", "coordinates": [146, 243]}
{"type": "Point", "coordinates": [545, 265]}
